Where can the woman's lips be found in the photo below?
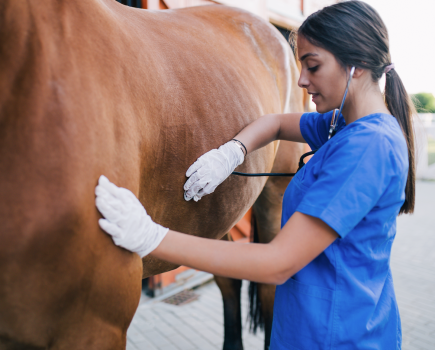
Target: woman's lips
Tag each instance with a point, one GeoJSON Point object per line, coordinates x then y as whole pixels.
{"type": "Point", "coordinates": [314, 96]}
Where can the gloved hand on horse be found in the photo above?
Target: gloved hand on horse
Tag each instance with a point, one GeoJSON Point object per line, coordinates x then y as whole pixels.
{"type": "Point", "coordinates": [126, 220]}
{"type": "Point", "coordinates": [211, 169]}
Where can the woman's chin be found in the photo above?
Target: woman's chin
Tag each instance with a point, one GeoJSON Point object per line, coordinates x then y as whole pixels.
{"type": "Point", "coordinates": [322, 109]}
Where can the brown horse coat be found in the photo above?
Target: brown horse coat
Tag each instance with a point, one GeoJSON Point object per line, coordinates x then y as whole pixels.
{"type": "Point", "coordinates": [93, 87]}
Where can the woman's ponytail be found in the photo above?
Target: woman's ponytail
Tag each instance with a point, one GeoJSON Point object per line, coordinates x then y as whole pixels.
{"type": "Point", "coordinates": [356, 35]}
{"type": "Point", "coordinates": [400, 105]}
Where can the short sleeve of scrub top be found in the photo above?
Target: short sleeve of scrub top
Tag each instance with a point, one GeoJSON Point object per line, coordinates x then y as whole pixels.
{"type": "Point", "coordinates": [355, 182]}
{"type": "Point", "coordinates": [315, 128]}
{"type": "Point", "coordinates": [354, 175]}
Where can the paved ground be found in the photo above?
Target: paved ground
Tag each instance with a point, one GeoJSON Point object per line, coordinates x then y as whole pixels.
{"type": "Point", "coordinates": [413, 265]}
{"type": "Point", "coordinates": [199, 325]}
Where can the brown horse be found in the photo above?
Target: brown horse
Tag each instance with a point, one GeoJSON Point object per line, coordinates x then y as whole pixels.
{"type": "Point", "coordinates": [93, 87]}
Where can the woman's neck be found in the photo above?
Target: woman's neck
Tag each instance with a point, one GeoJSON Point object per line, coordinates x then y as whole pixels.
{"type": "Point", "coordinates": [362, 101]}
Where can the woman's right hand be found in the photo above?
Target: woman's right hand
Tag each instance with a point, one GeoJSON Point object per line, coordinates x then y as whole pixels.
{"type": "Point", "coordinates": [126, 220]}
{"type": "Point", "coordinates": [211, 169]}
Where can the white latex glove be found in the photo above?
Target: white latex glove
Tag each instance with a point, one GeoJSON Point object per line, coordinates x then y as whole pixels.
{"type": "Point", "coordinates": [211, 169]}
{"type": "Point", "coordinates": [126, 220]}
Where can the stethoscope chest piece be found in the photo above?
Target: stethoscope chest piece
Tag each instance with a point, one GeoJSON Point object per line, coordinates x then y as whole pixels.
{"type": "Point", "coordinates": [333, 126]}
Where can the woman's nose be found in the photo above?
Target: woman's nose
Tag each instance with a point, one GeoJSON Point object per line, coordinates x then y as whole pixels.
{"type": "Point", "coordinates": [303, 82]}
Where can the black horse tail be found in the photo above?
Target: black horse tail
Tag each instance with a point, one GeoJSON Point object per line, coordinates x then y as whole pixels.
{"type": "Point", "coordinates": [256, 317]}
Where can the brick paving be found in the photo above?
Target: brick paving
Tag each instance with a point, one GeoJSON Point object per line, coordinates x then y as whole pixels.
{"type": "Point", "coordinates": [199, 324]}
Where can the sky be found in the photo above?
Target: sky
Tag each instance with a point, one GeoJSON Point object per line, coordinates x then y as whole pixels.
{"type": "Point", "coordinates": [411, 29]}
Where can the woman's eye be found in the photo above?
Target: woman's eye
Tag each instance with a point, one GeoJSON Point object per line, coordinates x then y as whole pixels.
{"type": "Point", "coordinates": [313, 69]}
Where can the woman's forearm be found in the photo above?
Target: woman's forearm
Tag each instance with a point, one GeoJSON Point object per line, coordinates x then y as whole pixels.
{"type": "Point", "coordinates": [260, 132]}
{"type": "Point", "coordinates": [299, 242]}
{"type": "Point", "coordinates": [271, 127]}
{"type": "Point", "coordinates": [252, 262]}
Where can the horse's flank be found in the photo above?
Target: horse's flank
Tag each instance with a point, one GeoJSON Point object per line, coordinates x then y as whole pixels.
{"type": "Point", "coordinates": [93, 87]}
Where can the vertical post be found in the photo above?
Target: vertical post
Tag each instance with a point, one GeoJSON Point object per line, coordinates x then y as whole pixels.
{"type": "Point", "coordinates": [151, 4]}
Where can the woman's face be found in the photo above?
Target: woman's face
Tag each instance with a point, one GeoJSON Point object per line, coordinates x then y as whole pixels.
{"type": "Point", "coordinates": [322, 75]}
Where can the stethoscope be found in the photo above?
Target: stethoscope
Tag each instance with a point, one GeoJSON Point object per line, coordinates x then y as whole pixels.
{"type": "Point", "coordinates": [334, 119]}
{"type": "Point", "coordinates": [332, 131]}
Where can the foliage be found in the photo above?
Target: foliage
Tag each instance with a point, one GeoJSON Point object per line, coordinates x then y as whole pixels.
{"type": "Point", "coordinates": [424, 102]}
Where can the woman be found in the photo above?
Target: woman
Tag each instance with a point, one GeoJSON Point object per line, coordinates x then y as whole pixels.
{"type": "Point", "coordinates": [331, 258]}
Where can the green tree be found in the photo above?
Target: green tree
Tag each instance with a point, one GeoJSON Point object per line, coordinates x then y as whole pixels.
{"type": "Point", "coordinates": [424, 102]}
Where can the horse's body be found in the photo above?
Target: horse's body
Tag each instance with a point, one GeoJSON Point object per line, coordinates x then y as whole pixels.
{"type": "Point", "coordinates": [93, 87]}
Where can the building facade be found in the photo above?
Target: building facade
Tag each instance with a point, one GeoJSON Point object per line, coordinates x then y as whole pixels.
{"type": "Point", "coordinates": [288, 14]}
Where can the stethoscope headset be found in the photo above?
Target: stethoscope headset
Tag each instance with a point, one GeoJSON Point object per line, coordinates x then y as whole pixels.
{"type": "Point", "coordinates": [332, 132]}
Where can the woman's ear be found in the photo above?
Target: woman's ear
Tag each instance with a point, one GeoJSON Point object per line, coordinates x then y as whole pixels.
{"type": "Point", "coordinates": [358, 72]}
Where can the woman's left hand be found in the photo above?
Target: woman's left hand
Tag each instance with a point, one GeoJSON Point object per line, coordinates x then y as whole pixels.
{"type": "Point", "coordinates": [126, 220]}
{"type": "Point", "coordinates": [211, 169]}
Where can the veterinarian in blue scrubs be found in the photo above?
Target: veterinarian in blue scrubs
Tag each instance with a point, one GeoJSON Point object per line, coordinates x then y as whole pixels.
{"type": "Point", "coordinates": [330, 260]}
{"type": "Point", "coordinates": [355, 183]}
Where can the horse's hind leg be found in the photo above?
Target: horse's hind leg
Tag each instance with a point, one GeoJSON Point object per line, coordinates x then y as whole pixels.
{"type": "Point", "coordinates": [267, 223]}
{"type": "Point", "coordinates": [261, 309]}
{"type": "Point", "coordinates": [230, 289]}
{"type": "Point", "coordinates": [266, 214]}
{"type": "Point", "coordinates": [261, 296]}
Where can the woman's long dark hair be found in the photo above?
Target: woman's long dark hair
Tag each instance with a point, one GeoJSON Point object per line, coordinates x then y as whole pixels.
{"type": "Point", "coordinates": [356, 35]}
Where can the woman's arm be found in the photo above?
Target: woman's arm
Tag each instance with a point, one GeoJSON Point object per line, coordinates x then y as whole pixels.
{"type": "Point", "coordinates": [216, 165]}
{"type": "Point", "coordinates": [301, 240]}
{"type": "Point", "coordinates": [271, 127]}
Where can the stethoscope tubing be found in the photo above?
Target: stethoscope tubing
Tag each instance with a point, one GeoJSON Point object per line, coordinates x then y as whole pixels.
{"type": "Point", "coordinates": [262, 174]}
{"type": "Point", "coordinates": [301, 165]}
{"type": "Point", "coordinates": [335, 115]}
{"type": "Point", "coordinates": [332, 129]}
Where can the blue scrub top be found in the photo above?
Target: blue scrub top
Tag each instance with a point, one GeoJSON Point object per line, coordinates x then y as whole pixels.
{"type": "Point", "coordinates": [344, 299]}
